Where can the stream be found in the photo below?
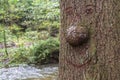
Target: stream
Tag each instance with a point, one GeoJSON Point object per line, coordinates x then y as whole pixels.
{"type": "Point", "coordinates": [26, 72]}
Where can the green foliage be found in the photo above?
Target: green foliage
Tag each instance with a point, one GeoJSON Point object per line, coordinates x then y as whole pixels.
{"type": "Point", "coordinates": [20, 55]}
{"type": "Point", "coordinates": [35, 36]}
{"type": "Point", "coordinates": [30, 13]}
{"type": "Point", "coordinates": [29, 21]}
{"type": "Point", "coordinates": [38, 52]}
{"type": "Point", "coordinates": [45, 48]}
{"type": "Point", "coordinates": [15, 30]}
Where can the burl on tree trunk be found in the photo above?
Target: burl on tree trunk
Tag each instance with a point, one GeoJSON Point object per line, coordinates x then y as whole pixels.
{"type": "Point", "coordinates": [90, 40]}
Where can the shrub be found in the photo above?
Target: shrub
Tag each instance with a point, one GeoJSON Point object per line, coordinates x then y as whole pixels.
{"type": "Point", "coordinates": [44, 49]}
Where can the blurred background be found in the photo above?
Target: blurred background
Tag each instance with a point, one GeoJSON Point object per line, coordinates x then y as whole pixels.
{"type": "Point", "coordinates": [29, 34]}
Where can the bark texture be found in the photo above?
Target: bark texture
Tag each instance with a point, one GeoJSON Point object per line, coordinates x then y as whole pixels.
{"type": "Point", "coordinates": [99, 57]}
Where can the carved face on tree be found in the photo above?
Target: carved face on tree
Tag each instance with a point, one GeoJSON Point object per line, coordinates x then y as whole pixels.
{"type": "Point", "coordinates": [77, 33]}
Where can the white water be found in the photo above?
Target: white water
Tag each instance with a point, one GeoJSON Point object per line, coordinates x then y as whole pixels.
{"type": "Point", "coordinates": [27, 72]}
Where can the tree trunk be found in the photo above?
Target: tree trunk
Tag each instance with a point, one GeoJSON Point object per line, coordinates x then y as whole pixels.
{"type": "Point", "coordinates": [96, 57]}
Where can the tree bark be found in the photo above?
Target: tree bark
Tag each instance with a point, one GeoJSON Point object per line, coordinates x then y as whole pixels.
{"type": "Point", "coordinates": [99, 57]}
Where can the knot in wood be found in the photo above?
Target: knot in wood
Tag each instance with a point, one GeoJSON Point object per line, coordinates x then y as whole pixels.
{"type": "Point", "coordinates": [76, 36]}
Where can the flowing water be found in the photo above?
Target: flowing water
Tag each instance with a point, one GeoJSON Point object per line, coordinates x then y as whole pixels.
{"type": "Point", "coordinates": [25, 72]}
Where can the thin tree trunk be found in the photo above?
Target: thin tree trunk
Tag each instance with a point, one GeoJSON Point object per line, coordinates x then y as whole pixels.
{"type": "Point", "coordinates": [98, 58]}
{"type": "Point", "coordinates": [5, 43]}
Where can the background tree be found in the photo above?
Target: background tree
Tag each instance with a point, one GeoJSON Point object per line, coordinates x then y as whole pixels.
{"type": "Point", "coordinates": [90, 40]}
